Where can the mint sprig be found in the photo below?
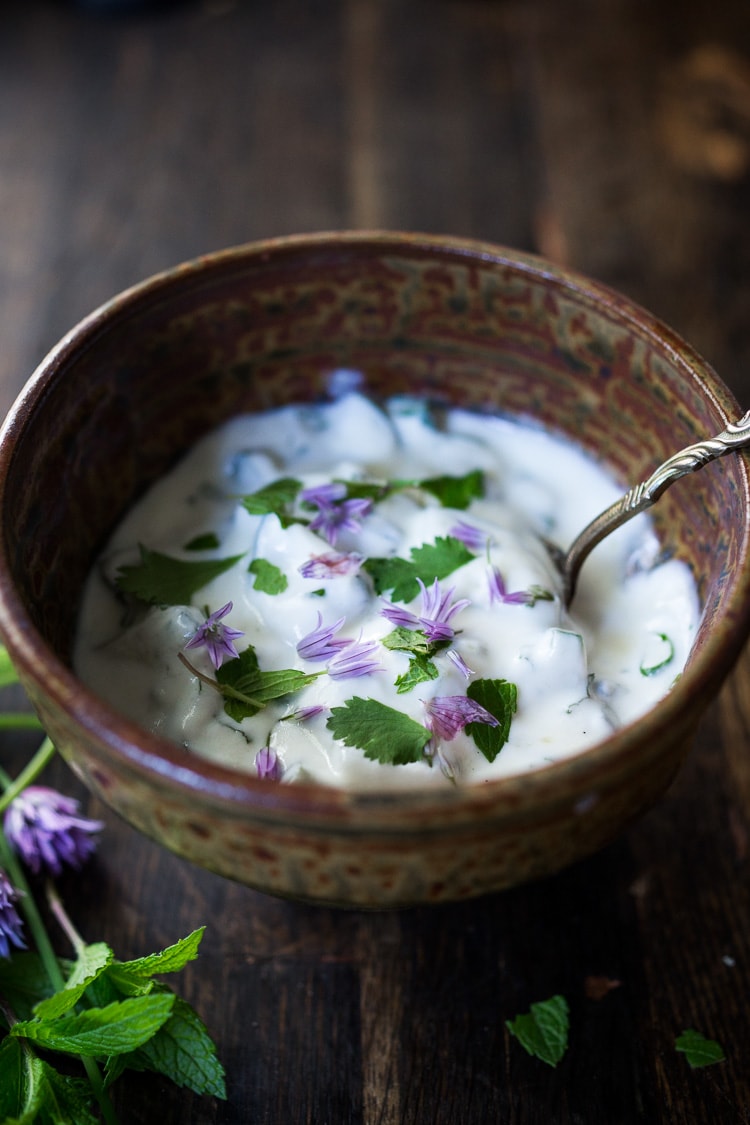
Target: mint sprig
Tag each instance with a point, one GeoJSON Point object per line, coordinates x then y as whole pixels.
{"type": "Point", "coordinates": [426, 562]}
{"type": "Point", "coordinates": [543, 1031]}
{"type": "Point", "coordinates": [500, 698]}
{"type": "Point", "coordinates": [162, 580]}
{"type": "Point", "coordinates": [247, 688]}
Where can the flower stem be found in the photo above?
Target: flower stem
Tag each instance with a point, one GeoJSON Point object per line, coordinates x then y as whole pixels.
{"type": "Point", "coordinates": [62, 918]}
{"type": "Point", "coordinates": [29, 774]}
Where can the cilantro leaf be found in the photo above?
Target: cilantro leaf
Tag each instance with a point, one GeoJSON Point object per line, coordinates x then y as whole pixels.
{"type": "Point", "coordinates": [456, 492]}
{"type": "Point", "coordinates": [247, 689]}
{"type": "Point", "coordinates": [163, 580]}
{"type": "Point", "coordinates": [420, 669]}
{"type": "Point", "coordinates": [500, 698]}
{"type": "Point", "coordinates": [427, 562]}
{"type": "Point", "coordinates": [274, 499]}
{"type": "Point", "coordinates": [698, 1050]}
{"type": "Point", "coordinates": [269, 579]}
{"type": "Point", "coordinates": [99, 1032]}
{"type": "Point", "coordinates": [384, 734]}
{"type": "Point", "coordinates": [543, 1031]}
{"type": "Point", "coordinates": [207, 542]}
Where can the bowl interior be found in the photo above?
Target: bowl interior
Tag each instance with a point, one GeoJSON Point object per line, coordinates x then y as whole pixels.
{"type": "Point", "coordinates": [133, 386]}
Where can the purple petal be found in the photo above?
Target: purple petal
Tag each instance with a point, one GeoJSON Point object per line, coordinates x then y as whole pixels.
{"type": "Point", "coordinates": [470, 536]}
{"type": "Point", "coordinates": [498, 591]}
{"type": "Point", "coordinates": [332, 565]}
{"type": "Point", "coordinates": [448, 714]}
{"type": "Point", "coordinates": [11, 926]}
{"type": "Point", "coordinates": [460, 663]}
{"type": "Point", "coordinates": [323, 495]}
{"type": "Point", "coordinates": [398, 615]}
{"type": "Point", "coordinates": [216, 638]}
{"type": "Point", "coordinates": [319, 643]}
{"type": "Point", "coordinates": [268, 764]}
{"type": "Point", "coordinates": [346, 516]}
{"type": "Point", "coordinates": [357, 659]}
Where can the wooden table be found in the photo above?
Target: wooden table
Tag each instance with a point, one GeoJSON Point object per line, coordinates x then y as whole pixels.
{"type": "Point", "coordinates": [613, 136]}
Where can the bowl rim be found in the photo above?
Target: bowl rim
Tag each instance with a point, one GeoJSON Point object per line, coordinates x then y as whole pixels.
{"type": "Point", "coordinates": [167, 765]}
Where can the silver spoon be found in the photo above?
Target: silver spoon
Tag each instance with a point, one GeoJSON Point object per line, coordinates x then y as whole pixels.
{"type": "Point", "coordinates": [642, 496]}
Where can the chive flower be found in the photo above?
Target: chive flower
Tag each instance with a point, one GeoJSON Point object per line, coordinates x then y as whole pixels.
{"type": "Point", "coordinates": [320, 643]}
{"type": "Point", "coordinates": [11, 926]}
{"type": "Point", "coordinates": [44, 828]}
{"type": "Point", "coordinates": [335, 514]}
{"type": "Point", "coordinates": [446, 715]}
{"type": "Point", "coordinates": [471, 537]}
{"type": "Point", "coordinates": [438, 609]}
{"type": "Point", "coordinates": [357, 659]}
{"type": "Point", "coordinates": [334, 564]}
{"type": "Point", "coordinates": [216, 638]}
{"type": "Point", "coordinates": [268, 764]}
{"type": "Point", "coordinates": [499, 593]}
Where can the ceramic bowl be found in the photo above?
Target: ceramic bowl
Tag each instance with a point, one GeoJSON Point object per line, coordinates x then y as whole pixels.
{"type": "Point", "coordinates": [133, 385]}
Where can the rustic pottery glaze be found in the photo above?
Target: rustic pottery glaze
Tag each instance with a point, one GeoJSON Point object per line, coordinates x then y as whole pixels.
{"type": "Point", "coordinates": [133, 385]}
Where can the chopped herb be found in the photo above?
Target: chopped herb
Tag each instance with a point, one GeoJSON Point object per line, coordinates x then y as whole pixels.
{"type": "Point", "coordinates": [247, 688]}
{"type": "Point", "coordinates": [269, 579]}
{"type": "Point", "coordinates": [274, 499]}
{"type": "Point", "coordinates": [500, 698]}
{"type": "Point", "coordinates": [660, 659]}
{"type": "Point", "coordinates": [543, 1031]}
{"type": "Point", "coordinates": [427, 562]}
{"type": "Point", "coordinates": [456, 492]}
{"type": "Point", "coordinates": [698, 1050]}
{"type": "Point", "coordinates": [420, 669]}
{"type": "Point", "coordinates": [207, 542]}
{"type": "Point", "coordinates": [162, 580]}
{"type": "Point", "coordinates": [383, 733]}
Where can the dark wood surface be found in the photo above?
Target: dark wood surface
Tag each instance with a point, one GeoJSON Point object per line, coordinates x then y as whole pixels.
{"type": "Point", "coordinates": [613, 135]}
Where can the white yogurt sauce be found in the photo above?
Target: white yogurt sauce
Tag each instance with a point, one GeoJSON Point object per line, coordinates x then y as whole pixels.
{"type": "Point", "coordinates": [578, 675]}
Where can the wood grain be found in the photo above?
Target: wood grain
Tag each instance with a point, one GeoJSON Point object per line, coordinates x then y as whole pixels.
{"type": "Point", "coordinates": [614, 137]}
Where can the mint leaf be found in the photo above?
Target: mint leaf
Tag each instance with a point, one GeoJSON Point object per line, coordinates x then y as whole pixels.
{"type": "Point", "coordinates": [275, 499]}
{"type": "Point", "coordinates": [24, 982]}
{"type": "Point", "coordinates": [543, 1031]}
{"type": "Point", "coordinates": [427, 562]}
{"type": "Point", "coordinates": [412, 640]}
{"type": "Point", "coordinates": [99, 1032]}
{"type": "Point", "coordinates": [32, 1090]}
{"type": "Point", "coordinates": [183, 1051]}
{"type": "Point", "coordinates": [247, 689]}
{"type": "Point", "coordinates": [385, 735]}
{"type": "Point", "coordinates": [366, 490]}
{"type": "Point", "coordinates": [500, 698]}
{"type": "Point", "coordinates": [92, 961]}
{"type": "Point", "coordinates": [698, 1050]}
{"type": "Point", "coordinates": [207, 542]}
{"type": "Point", "coordinates": [456, 492]}
{"type": "Point", "coordinates": [162, 580]}
{"type": "Point", "coordinates": [268, 578]}
{"type": "Point", "coordinates": [420, 669]}
{"type": "Point", "coordinates": [134, 978]}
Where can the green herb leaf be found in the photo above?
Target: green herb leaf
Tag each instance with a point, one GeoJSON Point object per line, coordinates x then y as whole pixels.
{"type": "Point", "coordinates": [275, 499]}
{"type": "Point", "coordinates": [162, 580]}
{"type": "Point", "coordinates": [384, 734]}
{"type": "Point", "coordinates": [99, 1032]}
{"type": "Point", "coordinates": [24, 982]}
{"type": "Point", "coordinates": [660, 657]}
{"type": "Point", "coordinates": [543, 1031]}
{"type": "Point", "coordinates": [92, 961]}
{"type": "Point", "coordinates": [698, 1050]}
{"type": "Point", "coordinates": [539, 594]}
{"type": "Point", "coordinates": [427, 562]}
{"type": "Point", "coordinates": [183, 1051]}
{"type": "Point", "coordinates": [420, 669]}
{"type": "Point", "coordinates": [366, 490]}
{"type": "Point", "coordinates": [456, 492]}
{"type": "Point", "coordinates": [134, 978]}
{"type": "Point", "coordinates": [268, 578]}
{"type": "Point", "coordinates": [32, 1090]}
{"type": "Point", "coordinates": [500, 698]}
{"type": "Point", "coordinates": [247, 689]}
{"type": "Point", "coordinates": [207, 542]}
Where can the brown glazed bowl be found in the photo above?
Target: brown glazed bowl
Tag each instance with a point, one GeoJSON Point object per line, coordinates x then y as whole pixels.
{"type": "Point", "coordinates": [133, 385]}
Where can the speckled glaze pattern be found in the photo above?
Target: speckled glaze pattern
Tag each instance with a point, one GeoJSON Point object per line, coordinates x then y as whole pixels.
{"type": "Point", "coordinates": [131, 387]}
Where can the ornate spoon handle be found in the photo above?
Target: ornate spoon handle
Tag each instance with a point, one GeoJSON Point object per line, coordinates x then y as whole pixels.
{"type": "Point", "coordinates": [642, 496]}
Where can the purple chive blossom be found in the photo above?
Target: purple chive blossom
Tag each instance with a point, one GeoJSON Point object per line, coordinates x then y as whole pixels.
{"type": "Point", "coordinates": [43, 826]}
{"type": "Point", "coordinates": [10, 923]}
{"type": "Point", "coordinates": [459, 662]}
{"type": "Point", "coordinates": [448, 714]}
{"type": "Point", "coordinates": [306, 713]}
{"type": "Point", "coordinates": [357, 659]}
{"type": "Point", "coordinates": [320, 643]}
{"type": "Point", "coordinates": [470, 536]}
{"type": "Point", "coordinates": [335, 564]}
{"type": "Point", "coordinates": [218, 639]}
{"type": "Point", "coordinates": [323, 495]}
{"type": "Point", "coordinates": [332, 519]}
{"type": "Point", "coordinates": [268, 764]}
{"type": "Point", "coordinates": [498, 592]}
{"type": "Point", "coordinates": [437, 611]}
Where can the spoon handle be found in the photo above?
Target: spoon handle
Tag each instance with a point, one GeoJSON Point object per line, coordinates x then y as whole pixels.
{"type": "Point", "coordinates": [642, 496]}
